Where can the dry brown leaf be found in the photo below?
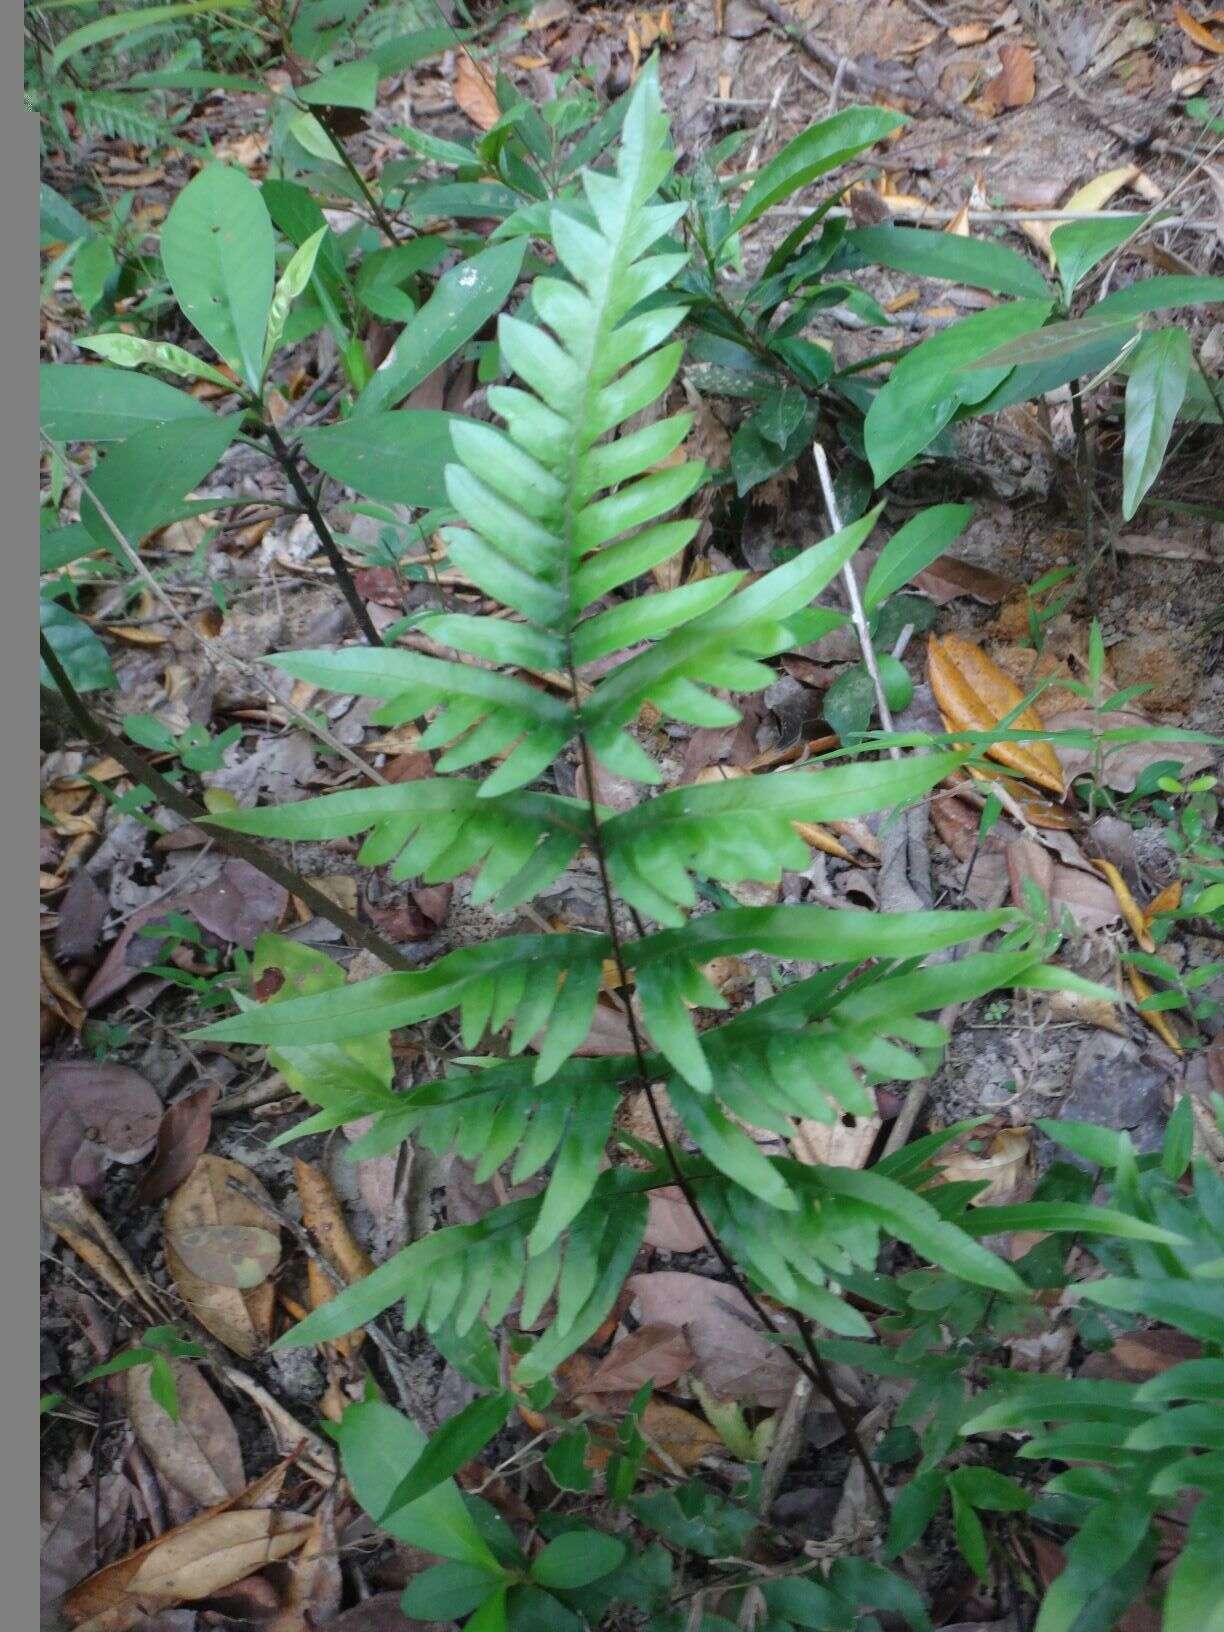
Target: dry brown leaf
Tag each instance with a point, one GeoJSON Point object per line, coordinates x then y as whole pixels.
{"type": "Point", "coordinates": [93, 1113]}
{"type": "Point", "coordinates": [670, 1224]}
{"type": "Point", "coordinates": [947, 579]}
{"type": "Point", "coordinates": [1015, 83]}
{"type": "Point", "coordinates": [56, 995]}
{"type": "Point", "coordinates": [973, 693]}
{"type": "Point", "coordinates": [846, 1141]}
{"type": "Point", "coordinates": [199, 1454]}
{"type": "Point", "coordinates": [241, 1319]}
{"type": "Point", "coordinates": [1159, 1022]}
{"type": "Point", "coordinates": [1136, 1356]}
{"type": "Point", "coordinates": [1003, 1165]}
{"type": "Point", "coordinates": [1073, 1008]}
{"type": "Point", "coordinates": [1190, 80]}
{"type": "Point", "coordinates": [680, 1436]}
{"type": "Point", "coordinates": [1037, 811]}
{"type": "Point", "coordinates": [80, 1226]}
{"type": "Point", "coordinates": [655, 1354]}
{"type": "Point", "coordinates": [324, 1218]}
{"type": "Point", "coordinates": [315, 1584]}
{"type": "Point", "coordinates": [1130, 907]}
{"type": "Point", "coordinates": [239, 1255]}
{"type": "Point", "coordinates": [1168, 900]}
{"type": "Point", "coordinates": [809, 832]}
{"type": "Point", "coordinates": [733, 1355]}
{"type": "Point", "coordinates": [1202, 37]}
{"type": "Point", "coordinates": [182, 1138]}
{"type": "Point", "coordinates": [474, 92]}
{"type": "Point", "coordinates": [194, 1561]}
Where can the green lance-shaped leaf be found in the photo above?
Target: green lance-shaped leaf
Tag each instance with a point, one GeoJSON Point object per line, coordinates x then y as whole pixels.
{"type": "Point", "coordinates": [1160, 372]}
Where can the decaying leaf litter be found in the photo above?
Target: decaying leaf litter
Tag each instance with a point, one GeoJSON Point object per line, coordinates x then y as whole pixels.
{"type": "Point", "coordinates": [142, 1521]}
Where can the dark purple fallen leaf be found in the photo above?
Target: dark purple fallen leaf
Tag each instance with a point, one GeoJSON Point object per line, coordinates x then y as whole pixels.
{"type": "Point", "coordinates": [93, 1113]}
{"type": "Point", "coordinates": [182, 1139]}
{"type": "Point", "coordinates": [82, 915]}
{"type": "Point", "coordinates": [239, 906]}
{"type": "Point", "coordinates": [947, 579]}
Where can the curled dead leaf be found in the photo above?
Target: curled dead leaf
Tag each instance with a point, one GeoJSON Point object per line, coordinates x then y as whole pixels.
{"type": "Point", "coordinates": [182, 1138]}
{"type": "Point", "coordinates": [1169, 900]}
{"type": "Point", "coordinates": [1202, 37]}
{"type": "Point", "coordinates": [1002, 1163]}
{"type": "Point", "coordinates": [323, 1217]}
{"type": "Point", "coordinates": [973, 693]}
{"type": "Point", "coordinates": [198, 1454]}
{"type": "Point", "coordinates": [474, 93]}
{"type": "Point", "coordinates": [1130, 907]}
{"type": "Point", "coordinates": [1015, 83]}
{"type": "Point", "coordinates": [657, 1354]}
{"type": "Point", "coordinates": [185, 1565]}
{"type": "Point", "coordinates": [1160, 1023]}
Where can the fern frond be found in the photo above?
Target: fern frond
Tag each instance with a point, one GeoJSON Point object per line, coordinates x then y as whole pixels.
{"type": "Point", "coordinates": [436, 829]}
{"type": "Point", "coordinates": [466, 1272]}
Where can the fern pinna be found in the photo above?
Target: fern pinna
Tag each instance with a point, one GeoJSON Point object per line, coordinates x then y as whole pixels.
{"type": "Point", "coordinates": [562, 515]}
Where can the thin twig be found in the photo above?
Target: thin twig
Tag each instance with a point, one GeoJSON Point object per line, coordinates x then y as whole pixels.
{"type": "Point", "coordinates": [385, 223]}
{"type": "Point", "coordinates": [287, 459]}
{"type": "Point", "coordinates": [237, 844]}
{"type": "Point", "coordinates": [857, 615]}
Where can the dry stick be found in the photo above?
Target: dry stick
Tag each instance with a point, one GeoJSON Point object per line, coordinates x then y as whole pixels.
{"type": "Point", "coordinates": [237, 844]}
{"type": "Point", "coordinates": [287, 459]}
{"type": "Point", "coordinates": [815, 1367]}
{"type": "Point", "coordinates": [857, 615]}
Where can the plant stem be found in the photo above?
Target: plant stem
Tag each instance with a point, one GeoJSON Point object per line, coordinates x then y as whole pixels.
{"type": "Point", "coordinates": [287, 458]}
{"type": "Point", "coordinates": [385, 223]}
{"type": "Point", "coordinates": [237, 844]}
{"type": "Point", "coordinates": [1084, 463]}
{"type": "Point", "coordinates": [815, 1368]}
{"type": "Point", "coordinates": [857, 615]}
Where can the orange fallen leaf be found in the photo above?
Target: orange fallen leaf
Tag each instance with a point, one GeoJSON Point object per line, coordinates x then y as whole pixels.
{"type": "Point", "coordinates": [1159, 1022]}
{"type": "Point", "coordinates": [324, 1218]}
{"type": "Point", "coordinates": [1130, 907]}
{"type": "Point", "coordinates": [1168, 900]}
{"type": "Point", "coordinates": [1015, 83]}
{"type": "Point", "coordinates": [973, 693]}
{"type": "Point", "coordinates": [1202, 37]}
{"type": "Point", "coordinates": [474, 93]}
{"type": "Point", "coordinates": [189, 1563]}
